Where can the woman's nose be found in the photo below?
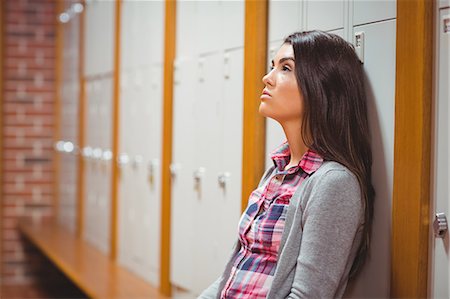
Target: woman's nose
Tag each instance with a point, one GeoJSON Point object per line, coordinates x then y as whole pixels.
{"type": "Point", "coordinates": [267, 79]}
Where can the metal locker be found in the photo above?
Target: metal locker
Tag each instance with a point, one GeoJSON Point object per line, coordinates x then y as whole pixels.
{"type": "Point", "coordinates": [228, 185]}
{"type": "Point", "coordinates": [182, 168]}
{"type": "Point", "coordinates": [68, 171]}
{"type": "Point", "coordinates": [324, 15]}
{"type": "Point", "coordinates": [379, 66]}
{"type": "Point", "coordinates": [125, 95]}
{"type": "Point", "coordinates": [135, 36]}
{"type": "Point", "coordinates": [151, 168]}
{"type": "Point", "coordinates": [105, 168]}
{"type": "Point", "coordinates": [140, 137]}
{"type": "Point", "coordinates": [69, 128]}
{"type": "Point", "coordinates": [99, 44]}
{"type": "Point", "coordinates": [206, 168]}
{"type": "Point", "coordinates": [208, 33]}
{"type": "Point", "coordinates": [89, 176]}
{"type": "Point", "coordinates": [125, 214]}
{"type": "Point", "coordinates": [187, 35]}
{"type": "Point", "coordinates": [369, 11]}
{"type": "Point", "coordinates": [232, 23]}
{"type": "Point", "coordinates": [440, 267]}
{"type": "Point", "coordinates": [98, 173]}
{"type": "Point", "coordinates": [208, 117]}
{"type": "Point", "coordinates": [285, 17]}
{"type": "Point", "coordinates": [126, 40]}
{"type": "Point", "coordinates": [127, 210]}
{"type": "Point", "coordinates": [140, 199]}
{"type": "Point", "coordinates": [339, 32]}
{"type": "Point", "coordinates": [150, 32]}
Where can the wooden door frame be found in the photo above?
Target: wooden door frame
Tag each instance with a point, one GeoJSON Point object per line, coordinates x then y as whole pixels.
{"type": "Point", "coordinates": [114, 224]}
{"type": "Point", "coordinates": [255, 67]}
{"type": "Point", "coordinates": [167, 141]}
{"type": "Point", "coordinates": [412, 148]}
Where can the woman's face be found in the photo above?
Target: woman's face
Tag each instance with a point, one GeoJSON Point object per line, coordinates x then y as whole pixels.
{"type": "Point", "coordinates": [281, 99]}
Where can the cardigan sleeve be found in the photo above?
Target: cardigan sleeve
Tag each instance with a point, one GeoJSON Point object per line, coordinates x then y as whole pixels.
{"type": "Point", "coordinates": [331, 219]}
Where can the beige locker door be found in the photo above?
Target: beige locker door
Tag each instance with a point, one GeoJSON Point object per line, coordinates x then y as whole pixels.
{"type": "Point", "coordinates": [440, 266]}
{"type": "Point", "coordinates": [379, 69]}
{"type": "Point", "coordinates": [140, 138]}
{"type": "Point", "coordinates": [69, 127]}
{"type": "Point", "coordinates": [368, 11]}
{"type": "Point", "coordinates": [99, 49]}
{"type": "Point", "coordinates": [325, 14]}
{"type": "Point", "coordinates": [182, 168]}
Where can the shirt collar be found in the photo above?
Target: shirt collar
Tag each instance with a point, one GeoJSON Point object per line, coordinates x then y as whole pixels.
{"type": "Point", "coordinates": [309, 162]}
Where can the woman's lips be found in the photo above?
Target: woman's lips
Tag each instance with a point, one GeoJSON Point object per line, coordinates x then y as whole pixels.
{"type": "Point", "coordinates": [265, 94]}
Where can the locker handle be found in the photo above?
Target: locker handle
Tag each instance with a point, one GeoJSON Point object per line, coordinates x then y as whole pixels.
{"type": "Point", "coordinates": [223, 178]}
{"type": "Point", "coordinates": [86, 152]}
{"type": "Point", "coordinates": [123, 159]}
{"type": "Point", "coordinates": [174, 168]}
{"type": "Point", "coordinates": [199, 173]}
{"type": "Point", "coordinates": [440, 225]}
{"type": "Point", "coordinates": [137, 160]}
{"type": "Point", "coordinates": [97, 153]}
{"type": "Point", "coordinates": [152, 166]}
{"type": "Point", "coordinates": [107, 155]}
{"type": "Point", "coordinates": [152, 170]}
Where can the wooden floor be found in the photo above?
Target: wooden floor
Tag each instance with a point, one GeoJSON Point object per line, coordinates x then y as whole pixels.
{"type": "Point", "coordinates": [88, 268]}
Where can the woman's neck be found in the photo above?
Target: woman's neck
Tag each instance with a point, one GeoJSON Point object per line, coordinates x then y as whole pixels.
{"type": "Point", "coordinates": [297, 147]}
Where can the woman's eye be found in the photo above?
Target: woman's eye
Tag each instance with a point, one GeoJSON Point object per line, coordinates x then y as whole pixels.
{"type": "Point", "coordinates": [286, 68]}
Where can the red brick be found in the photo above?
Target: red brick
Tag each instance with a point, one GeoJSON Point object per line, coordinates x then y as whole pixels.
{"type": "Point", "coordinates": [29, 32]}
{"type": "Point", "coordinates": [47, 64]}
{"type": "Point", "coordinates": [17, 52]}
{"type": "Point", "coordinates": [9, 189]}
{"type": "Point", "coordinates": [15, 41]}
{"type": "Point", "coordinates": [30, 179]}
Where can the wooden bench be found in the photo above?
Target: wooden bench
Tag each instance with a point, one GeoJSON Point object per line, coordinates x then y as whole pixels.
{"type": "Point", "coordinates": [90, 269]}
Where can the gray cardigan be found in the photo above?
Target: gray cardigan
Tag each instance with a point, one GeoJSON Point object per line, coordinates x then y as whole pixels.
{"type": "Point", "coordinates": [322, 233]}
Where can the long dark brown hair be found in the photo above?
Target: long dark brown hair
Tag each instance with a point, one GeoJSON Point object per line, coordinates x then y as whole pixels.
{"type": "Point", "coordinates": [335, 125]}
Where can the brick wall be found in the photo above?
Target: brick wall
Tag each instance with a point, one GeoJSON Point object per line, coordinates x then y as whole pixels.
{"type": "Point", "coordinates": [28, 97]}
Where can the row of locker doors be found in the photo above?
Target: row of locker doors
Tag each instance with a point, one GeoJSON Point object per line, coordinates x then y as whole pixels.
{"type": "Point", "coordinates": [206, 168]}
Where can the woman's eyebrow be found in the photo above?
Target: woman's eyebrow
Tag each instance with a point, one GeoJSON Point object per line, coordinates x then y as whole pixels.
{"type": "Point", "coordinates": [284, 59]}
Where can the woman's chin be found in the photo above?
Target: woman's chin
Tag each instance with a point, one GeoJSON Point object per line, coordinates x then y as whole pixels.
{"type": "Point", "coordinates": [263, 110]}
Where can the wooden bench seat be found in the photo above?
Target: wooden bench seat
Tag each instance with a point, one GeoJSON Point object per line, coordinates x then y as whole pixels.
{"type": "Point", "coordinates": [90, 269]}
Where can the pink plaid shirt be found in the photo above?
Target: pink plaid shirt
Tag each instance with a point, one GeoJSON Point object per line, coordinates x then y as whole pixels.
{"type": "Point", "coordinates": [262, 223]}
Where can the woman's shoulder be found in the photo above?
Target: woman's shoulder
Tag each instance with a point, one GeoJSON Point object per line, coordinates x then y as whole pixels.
{"type": "Point", "coordinates": [332, 177]}
{"type": "Point", "coordinates": [332, 170]}
{"type": "Point", "coordinates": [334, 186]}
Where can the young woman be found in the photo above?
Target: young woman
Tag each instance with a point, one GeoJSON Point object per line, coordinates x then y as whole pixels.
{"type": "Point", "coordinates": [306, 229]}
